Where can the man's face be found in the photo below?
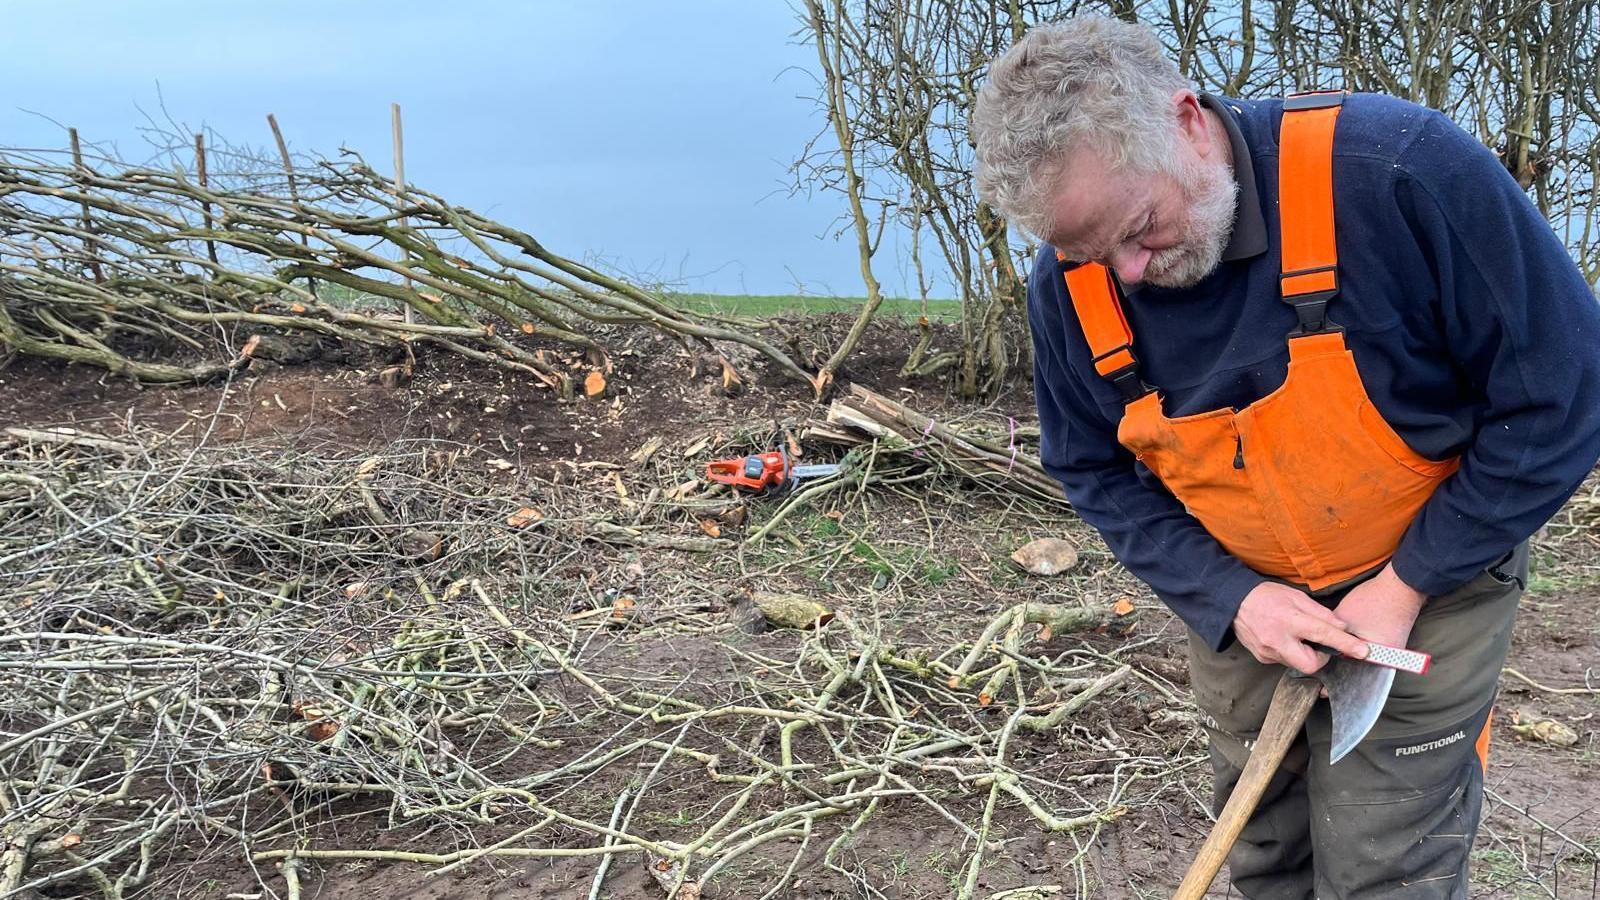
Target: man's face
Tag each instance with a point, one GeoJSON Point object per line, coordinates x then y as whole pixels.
{"type": "Point", "coordinates": [1162, 229]}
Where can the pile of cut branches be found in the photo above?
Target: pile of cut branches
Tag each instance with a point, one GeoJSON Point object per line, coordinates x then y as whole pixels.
{"type": "Point", "coordinates": [165, 277]}
{"type": "Point", "coordinates": [979, 452]}
{"type": "Point", "coordinates": [246, 645]}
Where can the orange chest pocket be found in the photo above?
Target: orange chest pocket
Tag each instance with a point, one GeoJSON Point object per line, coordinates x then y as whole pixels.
{"type": "Point", "coordinates": [1309, 483]}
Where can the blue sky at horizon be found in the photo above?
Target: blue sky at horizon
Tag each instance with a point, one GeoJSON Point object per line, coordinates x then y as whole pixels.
{"type": "Point", "coordinates": [655, 137]}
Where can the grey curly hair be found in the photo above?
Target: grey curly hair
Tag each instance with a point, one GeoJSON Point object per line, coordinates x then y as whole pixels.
{"type": "Point", "coordinates": [1090, 81]}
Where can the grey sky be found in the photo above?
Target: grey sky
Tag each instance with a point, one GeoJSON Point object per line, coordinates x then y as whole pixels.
{"type": "Point", "coordinates": [654, 135]}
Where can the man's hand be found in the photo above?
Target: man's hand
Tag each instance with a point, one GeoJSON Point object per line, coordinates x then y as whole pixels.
{"type": "Point", "coordinates": [1382, 609]}
{"type": "Point", "coordinates": [1276, 621]}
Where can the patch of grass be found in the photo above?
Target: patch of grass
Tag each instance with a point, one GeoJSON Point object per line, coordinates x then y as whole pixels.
{"type": "Point", "coordinates": [906, 559]}
{"type": "Point", "coordinates": [1502, 870]}
{"type": "Point", "coordinates": [900, 864]}
{"type": "Point", "coordinates": [341, 297]}
{"type": "Point", "coordinates": [937, 570]}
{"type": "Point", "coordinates": [875, 562]}
{"type": "Point", "coordinates": [768, 554]}
{"type": "Point", "coordinates": [818, 525]}
{"type": "Point", "coordinates": [942, 864]}
{"type": "Point", "coordinates": [769, 305]}
{"type": "Point", "coordinates": [1552, 570]}
{"type": "Point", "coordinates": [1557, 582]}
{"type": "Point", "coordinates": [682, 817]}
{"type": "Point", "coordinates": [1004, 573]}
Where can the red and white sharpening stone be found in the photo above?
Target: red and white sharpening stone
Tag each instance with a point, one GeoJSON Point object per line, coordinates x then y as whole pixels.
{"type": "Point", "coordinates": [1398, 658]}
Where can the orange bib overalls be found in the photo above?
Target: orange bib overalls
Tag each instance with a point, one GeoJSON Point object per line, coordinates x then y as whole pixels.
{"type": "Point", "coordinates": [1309, 483]}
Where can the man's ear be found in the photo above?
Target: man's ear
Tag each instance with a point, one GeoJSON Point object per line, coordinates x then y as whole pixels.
{"type": "Point", "coordinates": [1191, 120]}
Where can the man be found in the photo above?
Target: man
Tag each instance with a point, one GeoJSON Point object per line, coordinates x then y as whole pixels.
{"type": "Point", "coordinates": [1315, 369]}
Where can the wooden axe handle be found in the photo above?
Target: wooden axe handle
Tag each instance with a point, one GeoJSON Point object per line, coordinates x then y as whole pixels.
{"type": "Point", "coordinates": [1291, 703]}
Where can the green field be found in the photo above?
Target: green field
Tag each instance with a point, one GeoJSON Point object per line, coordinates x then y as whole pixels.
{"type": "Point", "coordinates": [762, 305]}
{"type": "Point", "coordinates": [754, 305]}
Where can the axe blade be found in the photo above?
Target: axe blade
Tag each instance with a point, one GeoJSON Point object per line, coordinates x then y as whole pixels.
{"type": "Point", "coordinates": [1357, 692]}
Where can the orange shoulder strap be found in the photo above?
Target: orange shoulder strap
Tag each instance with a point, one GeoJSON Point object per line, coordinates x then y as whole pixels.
{"type": "Point", "coordinates": [1310, 275]}
{"type": "Point", "coordinates": [1094, 299]}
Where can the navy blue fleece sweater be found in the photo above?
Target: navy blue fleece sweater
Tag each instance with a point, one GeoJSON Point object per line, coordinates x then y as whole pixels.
{"type": "Point", "coordinates": [1472, 329]}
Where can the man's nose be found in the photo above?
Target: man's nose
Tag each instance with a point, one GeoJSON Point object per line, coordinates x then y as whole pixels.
{"type": "Point", "coordinates": [1129, 263]}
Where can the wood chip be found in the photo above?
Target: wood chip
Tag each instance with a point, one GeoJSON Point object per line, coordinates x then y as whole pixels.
{"type": "Point", "coordinates": [623, 607]}
{"type": "Point", "coordinates": [666, 873]}
{"type": "Point", "coordinates": [1534, 727]}
{"type": "Point", "coordinates": [643, 454]}
{"type": "Point", "coordinates": [524, 517]}
{"type": "Point", "coordinates": [731, 382]}
{"type": "Point", "coordinates": [684, 489]}
{"type": "Point", "coordinates": [1046, 556]}
{"type": "Point", "coordinates": [422, 545]}
{"type": "Point", "coordinates": [792, 610]}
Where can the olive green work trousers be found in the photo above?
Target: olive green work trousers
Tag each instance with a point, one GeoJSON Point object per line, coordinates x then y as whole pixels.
{"type": "Point", "coordinates": [1396, 817]}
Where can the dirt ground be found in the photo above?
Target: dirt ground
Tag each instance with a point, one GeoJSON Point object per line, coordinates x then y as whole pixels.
{"type": "Point", "coordinates": [1539, 838]}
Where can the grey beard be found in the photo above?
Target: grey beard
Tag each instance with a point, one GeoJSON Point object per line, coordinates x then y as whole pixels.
{"type": "Point", "coordinates": [1213, 201]}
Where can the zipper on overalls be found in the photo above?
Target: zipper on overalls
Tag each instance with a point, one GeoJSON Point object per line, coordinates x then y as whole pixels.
{"type": "Point", "coordinates": [1238, 447]}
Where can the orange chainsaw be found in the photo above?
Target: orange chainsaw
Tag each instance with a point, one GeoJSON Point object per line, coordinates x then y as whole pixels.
{"type": "Point", "coordinates": [763, 471]}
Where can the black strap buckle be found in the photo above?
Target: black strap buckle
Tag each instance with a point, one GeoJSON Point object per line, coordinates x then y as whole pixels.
{"type": "Point", "coordinates": [1312, 311]}
{"type": "Point", "coordinates": [1311, 307]}
{"type": "Point", "coordinates": [1127, 381]}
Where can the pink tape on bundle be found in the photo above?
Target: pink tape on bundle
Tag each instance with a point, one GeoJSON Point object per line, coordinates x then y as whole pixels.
{"type": "Point", "coordinates": [1013, 463]}
{"type": "Point", "coordinates": [925, 432]}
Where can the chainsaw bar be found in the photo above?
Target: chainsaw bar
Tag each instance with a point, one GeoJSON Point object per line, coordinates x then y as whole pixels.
{"type": "Point", "coordinates": [820, 470]}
